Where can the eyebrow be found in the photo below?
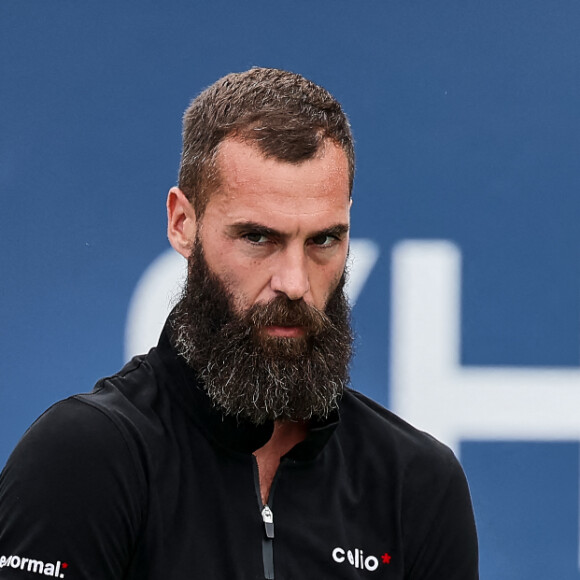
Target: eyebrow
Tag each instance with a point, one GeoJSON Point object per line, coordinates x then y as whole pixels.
{"type": "Point", "coordinates": [245, 227]}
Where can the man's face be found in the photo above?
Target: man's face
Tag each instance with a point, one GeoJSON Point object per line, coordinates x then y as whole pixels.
{"type": "Point", "coordinates": [274, 228]}
{"type": "Point", "coordinates": [263, 318]}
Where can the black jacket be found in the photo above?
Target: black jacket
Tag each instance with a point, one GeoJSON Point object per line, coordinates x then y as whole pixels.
{"type": "Point", "coordinates": [143, 480]}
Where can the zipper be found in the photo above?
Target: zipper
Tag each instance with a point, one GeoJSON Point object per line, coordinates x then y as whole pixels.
{"type": "Point", "coordinates": [268, 520]}
{"type": "Point", "coordinates": [268, 543]}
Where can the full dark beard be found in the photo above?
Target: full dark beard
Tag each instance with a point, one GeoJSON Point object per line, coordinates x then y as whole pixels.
{"type": "Point", "coordinates": [254, 376]}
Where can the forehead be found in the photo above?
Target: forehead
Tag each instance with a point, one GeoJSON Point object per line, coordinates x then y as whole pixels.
{"type": "Point", "coordinates": [249, 181]}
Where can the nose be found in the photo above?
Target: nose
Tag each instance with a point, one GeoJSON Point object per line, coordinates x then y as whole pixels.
{"type": "Point", "coordinates": [290, 276]}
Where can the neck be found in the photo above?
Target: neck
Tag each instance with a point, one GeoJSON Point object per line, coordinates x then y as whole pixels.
{"type": "Point", "coordinates": [286, 435]}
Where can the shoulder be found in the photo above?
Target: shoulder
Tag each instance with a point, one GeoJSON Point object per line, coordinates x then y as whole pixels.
{"type": "Point", "coordinates": [70, 437]}
{"type": "Point", "coordinates": [435, 503]}
{"type": "Point", "coordinates": [104, 429]}
{"type": "Point", "coordinates": [381, 429]}
{"type": "Point", "coordinates": [393, 450]}
{"type": "Point", "coordinates": [72, 459]}
{"type": "Point", "coordinates": [73, 482]}
{"type": "Point", "coordinates": [135, 401]}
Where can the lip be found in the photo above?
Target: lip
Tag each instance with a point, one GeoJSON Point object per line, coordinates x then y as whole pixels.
{"type": "Point", "coordinates": [285, 331]}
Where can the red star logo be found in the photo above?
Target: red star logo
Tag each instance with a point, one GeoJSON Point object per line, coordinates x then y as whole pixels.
{"type": "Point", "coordinates": [64, 565]}
{"type": "Point", "coordinates": [386, 558]}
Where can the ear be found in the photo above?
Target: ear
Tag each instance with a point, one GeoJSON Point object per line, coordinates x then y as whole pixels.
{"type": "Point", "coordinates": [181, 222]}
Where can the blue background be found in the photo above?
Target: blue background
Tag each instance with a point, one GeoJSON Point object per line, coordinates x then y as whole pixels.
{"type": "Point", "coordinates": [466, 118]}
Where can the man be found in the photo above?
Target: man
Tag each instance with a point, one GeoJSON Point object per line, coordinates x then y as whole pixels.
{"type": "Point", "coordinates": [235, 450]}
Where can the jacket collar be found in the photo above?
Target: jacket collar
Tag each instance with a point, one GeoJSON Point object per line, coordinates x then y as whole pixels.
{"type": "Point", "coordinates": [230, 432]}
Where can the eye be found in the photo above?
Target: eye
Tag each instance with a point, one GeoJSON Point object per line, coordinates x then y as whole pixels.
{"type": "Point", "coordinates": [324, 240]}
{"type": "Point", "coordinates": [255, 238]}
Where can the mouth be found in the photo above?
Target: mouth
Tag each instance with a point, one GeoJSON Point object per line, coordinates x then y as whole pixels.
{"type": "Point", "coordinates": [285, 331]}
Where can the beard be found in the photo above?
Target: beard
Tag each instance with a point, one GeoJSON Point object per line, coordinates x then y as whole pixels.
{"type": "Point", "coordinates": [254, 376]}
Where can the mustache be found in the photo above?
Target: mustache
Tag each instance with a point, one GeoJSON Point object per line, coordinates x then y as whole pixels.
{"type": "Point", "coordinates": [282, 311]}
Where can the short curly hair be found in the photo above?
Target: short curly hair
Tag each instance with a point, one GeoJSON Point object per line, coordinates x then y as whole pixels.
{"type": "Point", "coordinates": [287, 116]}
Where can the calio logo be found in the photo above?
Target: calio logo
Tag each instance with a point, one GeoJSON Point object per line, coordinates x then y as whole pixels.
{"type": "Point", "coordinates": [358, 559]}
{"type": "Point", "coordinates": [50, 569]}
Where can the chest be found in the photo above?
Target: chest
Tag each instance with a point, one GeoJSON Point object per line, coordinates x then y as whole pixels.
{"type": "Point", "coordinates": [324, 519]}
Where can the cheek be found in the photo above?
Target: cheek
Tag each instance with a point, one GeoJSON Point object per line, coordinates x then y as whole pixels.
{"type": "Point", "coordinates": [325, 284]}
{"type": "Point", "coordinates": [246, 284]}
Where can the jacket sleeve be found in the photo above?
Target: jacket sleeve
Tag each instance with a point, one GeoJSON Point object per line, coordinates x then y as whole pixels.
{"type": "Point", "coordinates": [70, 498]}
{"type": "Point", "coordinates": [441, 533]}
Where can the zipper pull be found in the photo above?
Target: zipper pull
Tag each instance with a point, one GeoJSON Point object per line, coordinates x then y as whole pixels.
{"type": "Point", "coordinates": [268, 518]}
